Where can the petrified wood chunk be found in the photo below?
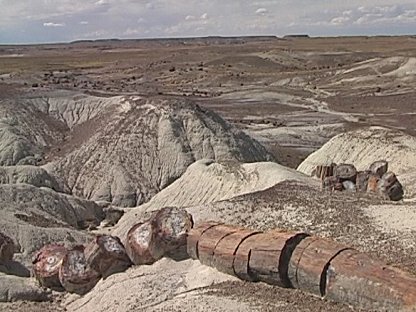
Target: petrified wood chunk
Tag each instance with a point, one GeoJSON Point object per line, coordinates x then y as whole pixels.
{"type": "Point", "coordinates": [75, 275]}
{"type": "Point", "coordinates": [332, 184]}
{"type": "Point", "coordinates": [309, 261]}
{"type": "Point", "coordinates": [106, 255]}
{"type": "Point", "coordinates": [322, 172]}
{"type": "Point", "coordinates": [194, 236]}
{"type": "Point", "coordinates": [345, 172]}
{"type": "Point", "coordinates": [379, 168]}
{"type": "Point", "coordinates": [46, 264]}
{"type": "Point", "coordinates": [172, 225]}
{"type": "Point", "coordinates": [390, 187]}
{"type": "Point", "coordinates": [349, 186]}
{"type": "Point", "coordinates": [355, 278]}
{"type": "Point", "coordinates": [6, 248]}
{"type": "Point", "coordinates": [361, 182]}
{"type": "Point", "coordinates": [142, 244]}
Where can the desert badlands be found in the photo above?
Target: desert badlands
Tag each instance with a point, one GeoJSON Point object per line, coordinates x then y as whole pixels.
{"type": "Point", "coordinates": [188, 175]}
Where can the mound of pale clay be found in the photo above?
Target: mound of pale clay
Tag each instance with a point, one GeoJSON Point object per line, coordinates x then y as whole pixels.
{"type": "Point", "coordinates": [207, 181]}
{"type": "Point", "coordinates": [32, 175]}
{"type": "Point", "coordinates": [147, 144]}
{"type": "Point", "coordinates": [34, 216]}
{"type": "Point", "coordinates": [14, 288]}
{"type": "Point", "coordinates": [363, 147]}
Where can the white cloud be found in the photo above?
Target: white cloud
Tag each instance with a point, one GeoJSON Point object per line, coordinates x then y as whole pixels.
{"type": "Point", "coordinates": [84, 22]}
{"type": "Point", "coordinates": [102, 2]}
{"type": "Point", "coordinates": [189, 18]}
{"type": "Point", "coordinates": [50, 24]}
{"type": "Point", "coordinates": [204, 16]}
{"type": "Point", "coordinates": [261, 11]}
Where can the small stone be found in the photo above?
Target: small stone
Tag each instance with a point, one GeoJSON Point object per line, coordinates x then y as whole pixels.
{"type": "Point", "coordinates": [379, 168]}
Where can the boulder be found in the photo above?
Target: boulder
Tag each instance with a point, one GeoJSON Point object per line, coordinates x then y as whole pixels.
{"type": "Point", "coordinates": [6, 248]}
{"type": "Point", "coordinates": [345, 172]}
{"type": "Point", "coordinates": [379, 167]}
{"type": "Point", "coordinates": [75, 275]}
{"type": "Point", "coordinates": [107, 255]}
{"type": "Point", "coordinates": [46, 264]}
{"type": "Point", "coordinates": [142, 244]}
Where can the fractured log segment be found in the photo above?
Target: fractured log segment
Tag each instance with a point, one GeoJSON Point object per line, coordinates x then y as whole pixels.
{"type": "Point", "coordinates": [379, 168]}
{"type": "Point", "coordinates": [345, 172]}
{"type": "Point", "coordinates": [46, 264]}
{"type": "Point", "coordinates": [322, 172]}
{"type": "Point", "coordinates": [362, 180]}
{"type": "Point", "coordinates": [210, 239]}
{"type": "Point", "coordinates": [172, 225]}
{"type": "Point", "coordinates": [309, 262]}
{"type": "Point", "coordinates": [265, 257]}
{"type": "Point", "coordinates": [75, 275]}
{"type": "Point", "coordinates": [6, 248]}
{"type": "Point", "coordinates": [142, 245]}
{"type": "Point", "coordinates": [195, 234]}
{"type": "Point", "coordinates": [107, 255]}
{"type": "Point", "coordinates": [226, 249]}
{"type": "Point", "coordinates": [355, 278]}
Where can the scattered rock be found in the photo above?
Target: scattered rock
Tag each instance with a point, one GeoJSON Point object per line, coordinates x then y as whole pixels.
{"type": "Point", "coordinates": [106, 255]}
{"type": "Point", "coordinates": [46, 264]}
{"type": "Point", "coordinates": [379, 168]}
{"type": "Point", "coordinates": [390, 187]}
{"type": "Point", "coordinates": [362, 180]}
{"type": "Point", "coordinates": [75, 275]}
{"type": "Point", "coordinates": [349, 186]}
{"type": "Point", "coordinates": [142, 245]}
{"type": "Point", "coordinates": [345, 172]}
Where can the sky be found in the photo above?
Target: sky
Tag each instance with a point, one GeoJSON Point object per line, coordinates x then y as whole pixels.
{"type": "Point", "coordinates": [41, 21]}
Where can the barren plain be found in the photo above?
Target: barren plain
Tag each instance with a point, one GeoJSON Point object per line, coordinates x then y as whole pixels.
{"type": "Point", "coordinates": [228, 128]}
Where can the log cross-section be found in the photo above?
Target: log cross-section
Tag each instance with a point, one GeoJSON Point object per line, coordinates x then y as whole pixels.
{"type": "Point", "coordinates": [195, 234]}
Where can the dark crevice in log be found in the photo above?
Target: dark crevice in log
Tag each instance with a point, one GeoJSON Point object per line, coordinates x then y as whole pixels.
{"type": "Point", "coordinates": [285, 256]}
{"type": "Point", "coordinates": [238, 246]}
{"type": "Point", "coordinates": [322, 283]}
{"type": "Point", "coordinates": [202, 233]}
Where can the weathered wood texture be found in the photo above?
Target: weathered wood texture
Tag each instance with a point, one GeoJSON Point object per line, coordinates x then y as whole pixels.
{"type": "Point", "coordinates": [390, 187]}
{"type": "Point", "coordinates": [322, 172]}
{"type": "Point", "coordinates": [142, 246]}
{"type": "Point", "coordinates": [309, 262]}
{"type": "Point", "coordinates": [75, 275]}
{"type": "Point", "coordinates": [356, 279]}
{"type": "Point", "coordinates": [362, 180]}
{"type": "Point", "coordinates": [345, 172]}
{"type": "Point", "coordinates": [379, 168]}
{"type": "Point", "coordinates": [46, 264]}
{"type": "Point", "coordinates": [195, 234]}
{"type": "Point", "coordinates": [6, 248]}
{"type": "Point", "coordinates": [210, 239]}
{"type": "Point", "coordinates": [107, 255]}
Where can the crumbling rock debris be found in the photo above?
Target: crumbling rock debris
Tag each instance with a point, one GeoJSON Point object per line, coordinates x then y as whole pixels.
{"type": "Point", "coordinates": [163, 234]}
{"type": "Point", "coordinates": [75, 274]}
{"type": "Point", "coordinates": [375, 180]}
{"type": "Point", "coordinates": [316, 265]}
{"type": "Point", "coordinates": [6, 248]}
{"type": "Point", "coordinates": [46, 264]}
{"type": "Point", "coordinates": [106, 255]}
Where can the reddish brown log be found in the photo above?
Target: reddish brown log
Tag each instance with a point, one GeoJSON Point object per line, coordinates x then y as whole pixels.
{"type": "Point", "coordinates": [46, 264]}
{"type": "Point", "coordinates": [379, 168]}
{"type": "Point", "coordinates": [210, 239]}
{"type": "Point", "coordinates": [309, 262]}
{"type": "Point", "coordinates": [6, 248]}
{"type": "Point", "coordinates": [75, 275]}
{"type": "Point", "coordinates": [345, 172]}
{"type": "Point", "coordinates": [226, 249]}
{"type": "Point", "coordinates": [362, 180]}
{"type": "Point", "coordinates": [372, 183]}
{"type": "Point", "coordinates": [106, 255]}
{"type": "Point", "coordinates": [142, 244]}
{"type": "Point", "coordinates": [194, 236]}
{"type": "Point", "coordinates": [354, 278]}
{"type": "Point", "coordinates": [172, 225]}
{"type": "Point", "coordinates": [322, 172]}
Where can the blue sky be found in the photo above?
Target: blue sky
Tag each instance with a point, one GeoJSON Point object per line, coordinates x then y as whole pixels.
{"type": "Point", "coordinates": [35, 21]}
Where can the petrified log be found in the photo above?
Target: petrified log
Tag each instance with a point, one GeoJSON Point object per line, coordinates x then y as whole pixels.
{"type": "Point", "coordinates": [379, 168]}
{"type": "Point", "coordinates": [354, 278]}
{"type": "Point", "coordinates": [75, 275]}
{"type": "Point", "coordinates": [226, 249]}
{"type": "Point", "coordinates": [372, 184]}
{"type": "Point", "coordinates": [46, 264]}
{"type": "Point", "coordinates": [142, 244]}
{"type": "Point", "coordinates": [390, 187]}
{"type": "Point", "coordinates": [361, 182]}
{"type": "Point", "coordinates": [210, 239]}
{"type": "Point", "coordinates": [322, 172]}
{"type": "Point", "coordinates": [106, 255]}
{"type": "Point", "coordinates": [172, 225]}
{"type": "Point", "coordinates": [332, 184]}
{"type": "Point", "coordinates": [194, 236]}
{"type": "Point", "coordinates": [309, 261]}
{"type": "Point", "coordinates": [6, 248]}
{"type": "Point", "coordinates": [345, 172]}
